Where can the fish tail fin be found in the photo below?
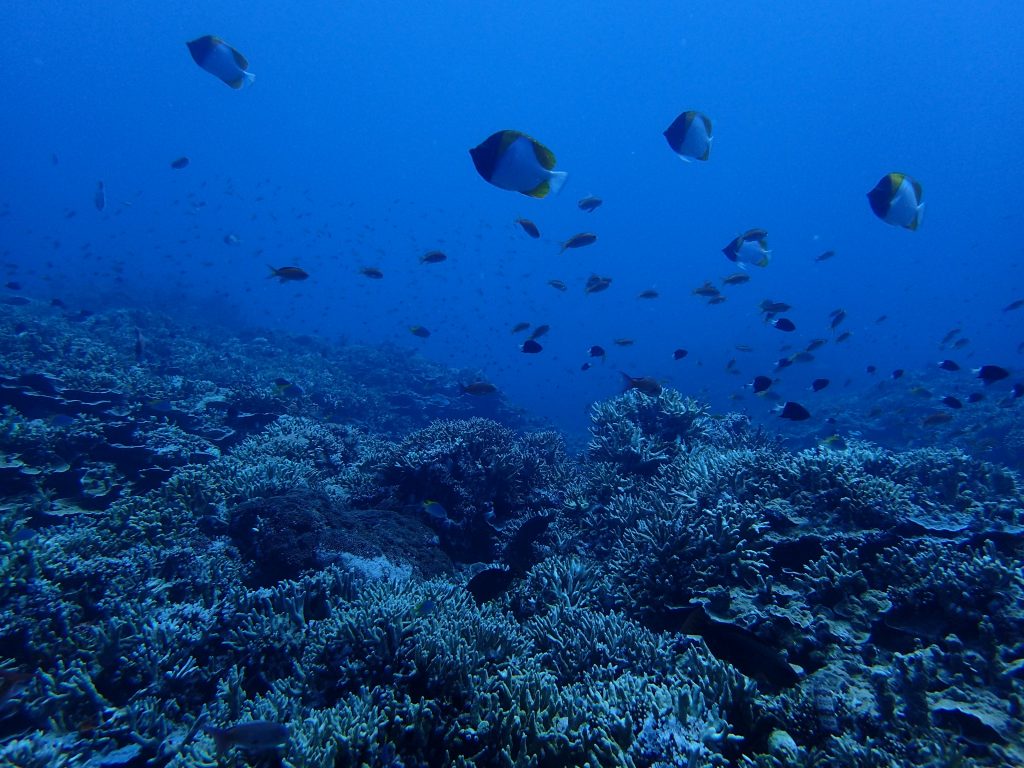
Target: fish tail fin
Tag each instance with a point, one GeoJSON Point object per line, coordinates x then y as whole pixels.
{"type": "Point", "coordinates": [556, 181]}
{"type": "Point", "coordinates": [550, 186]}
{"type": "Point", "coordinates": [918, 217]}
{"type": "Point", "coordinates": [220, 738]}
{"type": "Point", "coordinates": [273, 271]}
{"type": "Point", "coordinates": [627, 381]}
{"type": "Point", "coordinates": [247, 78]}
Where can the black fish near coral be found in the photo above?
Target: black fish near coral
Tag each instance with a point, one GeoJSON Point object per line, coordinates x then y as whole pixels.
{"type": "Point", "coordinates": [490, 584]}
{"type": "Point", "coordinates": [990, 374]}
{"type": "Point", "coordinates": [645, 384]}
{"type": "Point", "coordinates": [794, 412]}
{"type": "Point", "coordinates": [478, 388]}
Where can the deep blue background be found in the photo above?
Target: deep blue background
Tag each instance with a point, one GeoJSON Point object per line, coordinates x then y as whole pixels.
{"type": "Point", "coordinates": [351, 149]}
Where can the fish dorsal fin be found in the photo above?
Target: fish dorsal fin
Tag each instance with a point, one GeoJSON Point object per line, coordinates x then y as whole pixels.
{"type": "Point", "coordinates": [544, 155]}
{"type": "Point", "coordinates": [240, 60]}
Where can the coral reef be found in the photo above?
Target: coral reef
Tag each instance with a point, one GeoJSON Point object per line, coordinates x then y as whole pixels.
{"type": "Point", "coordinates": [689, 592]}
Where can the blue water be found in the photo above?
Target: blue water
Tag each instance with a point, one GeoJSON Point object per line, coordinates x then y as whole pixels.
{"type": "Point", "coordinates": [351, 147]}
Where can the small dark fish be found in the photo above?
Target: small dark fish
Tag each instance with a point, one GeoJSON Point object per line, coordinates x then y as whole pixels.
{"type": "Point", "coordinates": [371, 272]}
{"type": "Point", "coordinates": [596, 284]}
{"type": "Point", "coordinates": [650, 293]}
{"type": "Point", "coordinates": [179, 163]}
{"type": "Point", "coordinates": [803, 356]}
{"type": "Point", "coordinates": [774, 307]}
{"type": "Point", "coordinates": [837, 315]}
{"type": "Point", "coordinates": [58, 304]}
{"type": "Point", "coordinates": [961, 343]}
{"type": "Point", "coordinates": [881, 319]}
{"type": "Point", "coordinates": [898, 373]}
{"type": "Point", "coordinates": [794, 411]}
{"type": "Point", "coordinates": [814, 344]}
{"type": "Point", "coordinates": [13, 285]}
{"type": "Point", "coordinates": [679, 354]}
{"type": "Point", "coordinates": [952, 402]}
{"type": "Point", "coordinates": [590, 204]}
{"type": "Point", "coordinates": [597, 351]}
{"type": "Point", "coordinates": [739, 278]}
{"type": "Point", "coordinates": [844, 336]}
{"type": "Point", "coordinates": [253, 736]}
{"type": "Point", "coordinates": [585, 367]}
{"type": "Point", "coordinates": [707, 290]}
{"type": "Point", "coordinates": [531, 347]}
{"type": "Point", "coordinates": [286, 274]}
{"type": "Point", "coordinates": [419, 330]}
{"type": "Point", "coordinates": [645, 384]}
{"type": "Point", "coordinates": [761, 383]}
{"type": "Point", "coordinates": [623, 342]}
{"type": "Point", "coordinates": [783, 362]}
{"type": "Point", "coordinates": [991, 373]}
{"type": "Point", "coordinates": [539, 331]}
{"type": "Point", "coordinates": [433, 257]}
{"type": "Point", "coordinates": [1014, 305]}
{"type": "Point", "coordinates": [785, 324]}
{"type": "Point", "coordinates": [975, 397]}
{"type": "Point", "coordinates": [948, 365]}
{"type": "Point", "coordinates": [100, 198]}
{"type": "Point", "coordinates": [558, 285]}
{"type": "Point", "coordinates": [949, 336]}
{"type": "Point", "coordinates": [520, 327]}
{"type": "Point", "coordinates": [478, 388]}
{"type": "Point", "coordinates": [825, 256]}
{"type": "Point", "coordinates": [489, 584]}
{"type": "Point", "coordinates": [819, 384]}
{"type": "Point", "coordinates": [716, 300]}
{"type": "Point", "coordinates": [933, 420]}
{"type": "Point", "coordinates": [871, 369]}
{"type": "Point", "coordinates": [579, 240]}
{"type": "Point", "coordinates": [529, 228]}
